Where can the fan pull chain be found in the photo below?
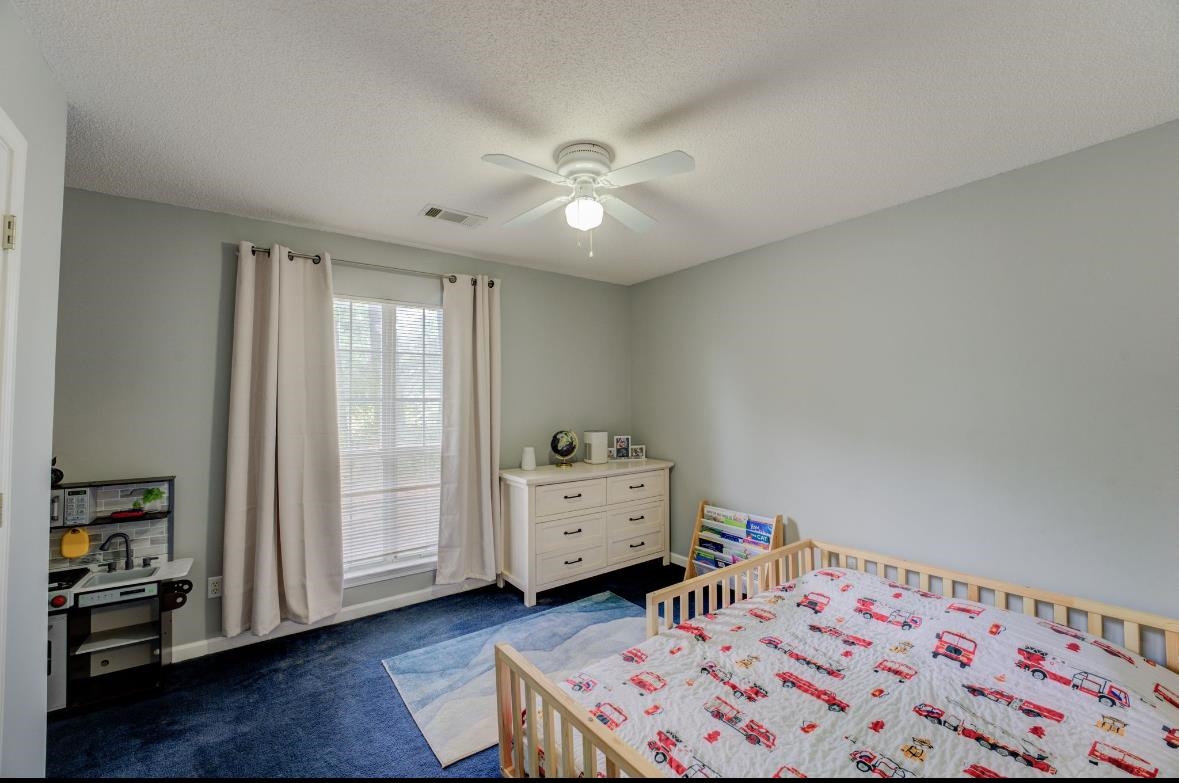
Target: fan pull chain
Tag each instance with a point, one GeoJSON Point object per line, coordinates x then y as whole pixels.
{"type": "Point", "coordinates": [591, 241]}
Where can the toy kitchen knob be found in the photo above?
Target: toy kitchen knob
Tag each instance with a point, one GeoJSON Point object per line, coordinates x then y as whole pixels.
{"type": "Point", "coordinates": [174, 594]}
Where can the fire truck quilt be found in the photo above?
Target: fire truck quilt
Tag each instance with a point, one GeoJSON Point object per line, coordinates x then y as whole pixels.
{"type": "Point", "coordinates": [842, 673]}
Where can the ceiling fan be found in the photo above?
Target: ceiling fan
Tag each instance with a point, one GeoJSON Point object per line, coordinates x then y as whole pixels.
{"type": "Point", "coordinates": [584, 166]}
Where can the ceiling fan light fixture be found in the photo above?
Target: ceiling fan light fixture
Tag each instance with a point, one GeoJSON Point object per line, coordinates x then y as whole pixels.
{"type": "Point", "coordinates": [585, 165]}
{"type": "Point", "coordinates": [584, 213]}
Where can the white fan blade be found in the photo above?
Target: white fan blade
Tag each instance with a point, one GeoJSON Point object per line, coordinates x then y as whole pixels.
{"type": "Point", "coordinates": [664, 165]}
{"type": "Point", "coordinates": [524, 167]}
{"type": "Point", "coordinates": [538, 211]}
{"type": "Point", "coordinates": [634, 219]}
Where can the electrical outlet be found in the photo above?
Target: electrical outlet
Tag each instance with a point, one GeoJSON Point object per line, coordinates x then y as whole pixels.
{"type": "Point", "coordinates": [214, 587]}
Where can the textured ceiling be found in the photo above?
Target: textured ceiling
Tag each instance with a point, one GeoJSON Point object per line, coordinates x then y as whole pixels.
{"type": "Point", "coordinates": [353, 115]}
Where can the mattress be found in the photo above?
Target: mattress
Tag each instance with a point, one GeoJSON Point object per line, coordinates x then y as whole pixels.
{"type": "Point", "coordinates": [842, 673]}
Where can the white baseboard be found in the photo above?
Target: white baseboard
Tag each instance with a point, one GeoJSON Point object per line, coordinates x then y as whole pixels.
{"type": "Point", "coordinates": [184, 652]}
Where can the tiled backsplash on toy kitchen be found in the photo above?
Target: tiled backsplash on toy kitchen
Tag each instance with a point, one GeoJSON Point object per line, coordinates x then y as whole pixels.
{"type": "Point", "coordinates": [149, 537]}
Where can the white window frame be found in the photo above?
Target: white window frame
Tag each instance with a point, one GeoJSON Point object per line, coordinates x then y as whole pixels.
{"type": "Point", "coordinates": [389, 569]}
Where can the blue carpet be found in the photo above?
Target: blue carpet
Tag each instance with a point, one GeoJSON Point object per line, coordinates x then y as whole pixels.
{"type": "Point", "coordinates": [449, 687]}
{"type": "Point", "coordinates": [318, 704]}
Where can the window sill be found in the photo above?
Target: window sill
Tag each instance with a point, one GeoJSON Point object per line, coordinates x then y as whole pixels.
{"type": "Point", "coordinates": [380, 573]}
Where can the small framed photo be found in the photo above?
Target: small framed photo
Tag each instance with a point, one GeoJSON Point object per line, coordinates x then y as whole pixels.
{"type": "Point", "coordinates": [638, 452]}
{"type": "Point", "coordinates": [610, 453]}
{"type": "Point", "coordinates": [622, 446]}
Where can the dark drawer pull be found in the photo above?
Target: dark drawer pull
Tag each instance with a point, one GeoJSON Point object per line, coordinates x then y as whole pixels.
{"type": "Point", "coordinates": [573, 562]}
{"type": "Point", "coordinates": [638, 518]}
{"type": "Point", "coordinates": [636, 486]}
{"type": "Point", "coordinates": [636, 546]}
{"type": "Point", "coordinates": [572, 532]}
{"type": "Point", "coordinates": [573, 497]}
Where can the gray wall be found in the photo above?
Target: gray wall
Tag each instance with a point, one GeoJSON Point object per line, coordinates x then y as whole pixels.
{"type": "Point", "coordinates": [33, 100]}
{"type": "Point", "coordinates": [984, 378]}
{"type": "Point", "coordinates": [987, 378]}
{"type": "Point", "coordinates": [145, 335]}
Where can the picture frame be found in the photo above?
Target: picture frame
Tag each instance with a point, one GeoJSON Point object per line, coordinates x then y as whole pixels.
{"type": "Point", "coordinates": [622, 447]}
{"type": "Point", "coordinates": [610, 453]}
{"type": "Point", "coordinates": [638, 451]}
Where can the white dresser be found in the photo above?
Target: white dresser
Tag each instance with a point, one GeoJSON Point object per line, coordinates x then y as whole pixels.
{"type": "Point", "coordinates": [562, 525]}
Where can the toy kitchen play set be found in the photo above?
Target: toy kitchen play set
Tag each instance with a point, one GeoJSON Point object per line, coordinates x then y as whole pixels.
{"type": "Point", "coordinates": [112, 588]}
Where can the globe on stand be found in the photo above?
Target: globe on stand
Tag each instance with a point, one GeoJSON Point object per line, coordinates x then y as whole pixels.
{"type": "Point", "coordinates": [564, 445]}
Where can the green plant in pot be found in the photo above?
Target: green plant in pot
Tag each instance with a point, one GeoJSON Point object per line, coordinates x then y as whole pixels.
{"type": "Point", "coordinates": [150, 495]}
{"type": "Point", "coordinates": [139, 507]}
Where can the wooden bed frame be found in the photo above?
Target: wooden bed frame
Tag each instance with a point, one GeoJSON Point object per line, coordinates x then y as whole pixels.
{"type": "Point", "coordinates": [574, 747]}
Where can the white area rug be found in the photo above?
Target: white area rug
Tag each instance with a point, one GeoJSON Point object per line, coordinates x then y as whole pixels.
{"type": "Point", "coordinates": [449, 687]}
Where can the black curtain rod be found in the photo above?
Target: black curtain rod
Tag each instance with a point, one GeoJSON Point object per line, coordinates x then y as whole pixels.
{"type": "Point", "coordinates": [292, 255]}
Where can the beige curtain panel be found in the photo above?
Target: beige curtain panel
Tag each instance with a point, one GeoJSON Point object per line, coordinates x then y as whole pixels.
{"type": "Point", "coordinates": [469, 527]}
{"type": "Point", "coordinates": [283, 551]}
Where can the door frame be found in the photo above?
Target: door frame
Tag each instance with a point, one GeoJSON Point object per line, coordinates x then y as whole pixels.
{"type": "Point", "coordinates": [18, 148]}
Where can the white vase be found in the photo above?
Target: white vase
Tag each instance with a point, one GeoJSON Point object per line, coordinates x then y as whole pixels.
{"type": "Point", "coordinates": [528, 458]}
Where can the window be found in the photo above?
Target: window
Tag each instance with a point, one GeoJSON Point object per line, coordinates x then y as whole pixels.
{"type": "Point", "coordinates": [389, 388]}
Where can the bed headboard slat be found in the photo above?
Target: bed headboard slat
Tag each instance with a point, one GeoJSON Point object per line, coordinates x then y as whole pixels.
{"type": "Point", "coordinates": [550, 737]}
{"type": "Point", "coordinates": [530, 731]}
{"type": "Point", "coordinates": [516, 717]}
{"type": "Point", "coordinates": [589, 757]}
{"type": "Point", "coordinates": [568, 768]}
{"type": "Point", "coordinates": [1133, 637]}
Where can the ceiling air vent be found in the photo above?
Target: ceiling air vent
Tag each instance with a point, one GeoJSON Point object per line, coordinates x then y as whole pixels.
{"type": "Point", "coordinates": [452, 216]}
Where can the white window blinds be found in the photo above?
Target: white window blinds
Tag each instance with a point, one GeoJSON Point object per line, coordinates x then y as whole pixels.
{"type": "Point", "coordinates": [389, 388]}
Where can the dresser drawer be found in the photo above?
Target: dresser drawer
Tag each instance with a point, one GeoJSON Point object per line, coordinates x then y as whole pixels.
{"type": "Point", "coordinates": [550, 568]}
{"type": "Point", "coordinates": [636, 546]}
{"type": "Point", "coordinates": [570, 533]}
{"type": "Point", "coordinates": [636, 486]}
{"type": "Point", "coordinates": [627, 522]}
{"type": "Point", "coordinates": [572, 496]}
